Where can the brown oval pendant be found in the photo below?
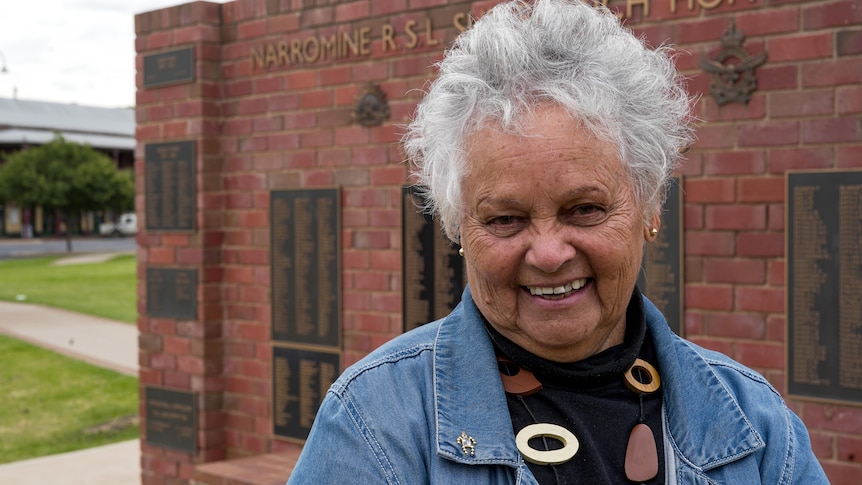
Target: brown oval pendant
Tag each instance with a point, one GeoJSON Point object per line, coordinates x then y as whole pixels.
{"type": "Point", "coordinates": [522, 383]}
{"type": "Point", "coordinates": [641, 454]}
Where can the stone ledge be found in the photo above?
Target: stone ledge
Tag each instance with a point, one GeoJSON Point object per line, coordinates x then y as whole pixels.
{"type": "Point", "coordinates": [272, 469]}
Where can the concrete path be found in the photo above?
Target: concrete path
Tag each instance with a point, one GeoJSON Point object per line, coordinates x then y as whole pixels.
{"type": "Point", "coordinates": [116, 464]}
{"type": "Point", "coordinates": [96, 340]}
{"type": "Point", "coordinates": [87, 258]}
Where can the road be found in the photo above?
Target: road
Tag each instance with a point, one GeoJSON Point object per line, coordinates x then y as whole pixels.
{"type": "Point", "coordinates": [28, 248]}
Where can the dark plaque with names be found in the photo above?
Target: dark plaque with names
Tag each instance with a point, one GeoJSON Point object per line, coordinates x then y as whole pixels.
{"type": "Point", "coordinates": [300, 381]}
{"type": "Point", "coordinates": [434, 273]}
{"type": "Point", "coordinates": [661, 275]}
{"type": "Point", "coordinates": [172, 293]}
{"type": "Point", "coordinates": [171, 419]}
{"type": "Point", "coordinates": [170, 186]}
{"type": "Point", "coordinates": [306, 276]}
{"type": "Point", "coordinates": [168, 68]}
{"type": "Point", "coordinates": [824, 284]}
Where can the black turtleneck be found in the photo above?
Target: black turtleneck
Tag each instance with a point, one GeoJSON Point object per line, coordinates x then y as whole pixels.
{"type": "Point", "coordinates": [590, 399]}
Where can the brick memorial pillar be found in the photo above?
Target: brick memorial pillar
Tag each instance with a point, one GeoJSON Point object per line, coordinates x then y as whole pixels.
{"type": "Point", "coordinates": [178, 176]}
{"type": "Point", "coordinates": [271, 217]}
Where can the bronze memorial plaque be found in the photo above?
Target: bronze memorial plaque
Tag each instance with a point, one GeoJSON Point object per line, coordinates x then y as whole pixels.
{"type": "Point", "coordinates": [661, 276]}
{"type": "Point", "coordinates": [170, 186]}
{"type": "Point", "coordinates": [306, 275]}
{"type": "Point", "coordinates": [172, 293]}
{"type": "Point", "coordinates": [171, 419]}
{"type": "Point", "coordinates": [168, 68]}
{"type": "Point", "coordinates": [300, 381]}
{"type": "Point", "coordinates": [434, 274]}
{"type": "Point", "coordinates": [824, 284]}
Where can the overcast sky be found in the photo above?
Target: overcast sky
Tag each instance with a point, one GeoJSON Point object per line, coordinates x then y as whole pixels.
{"type": "Point", "coordinates": [71, 51]}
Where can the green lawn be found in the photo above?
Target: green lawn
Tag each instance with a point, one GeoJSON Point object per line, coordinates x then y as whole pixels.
{"type": "Point", "coordinates": [50, 403]}
{"type": "Point", "coordinates": [106, 289]}
{"type": "Point", "coordinates": [53, 404]}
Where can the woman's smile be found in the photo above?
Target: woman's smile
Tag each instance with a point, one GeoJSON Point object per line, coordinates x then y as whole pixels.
{"type": "Point", "coordinates": [557, 292]}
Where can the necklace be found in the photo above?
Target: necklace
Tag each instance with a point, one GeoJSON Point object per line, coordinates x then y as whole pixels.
{"type": "Point", "coordinates": [641, 452]}
{"type": "Point", "coordinates": [641, 456]}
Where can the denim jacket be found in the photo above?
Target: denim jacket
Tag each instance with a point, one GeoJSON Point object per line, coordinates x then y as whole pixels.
{"type": "Point", "coordinates": [429, 407]}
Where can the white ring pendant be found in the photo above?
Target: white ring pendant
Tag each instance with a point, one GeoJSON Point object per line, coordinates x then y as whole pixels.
{"type": "Point", "coordinates": [553, 457]}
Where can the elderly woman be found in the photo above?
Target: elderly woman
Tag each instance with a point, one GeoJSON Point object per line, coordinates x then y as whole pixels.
{"type": "Point", "coordinates": [545, 145]}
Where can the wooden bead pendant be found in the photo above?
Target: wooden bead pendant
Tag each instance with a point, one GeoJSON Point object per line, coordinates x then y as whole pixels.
{"type": "Point", "coordinates": [516, 380]}
{"type": "Point", "coordinates": [551, 457]}
{"type": "Point", "coordinates": [641, 451]}
{"type": "Point", "coordinates": [641, 454]}
{"type": "Point", "coordinates": [651, 383]}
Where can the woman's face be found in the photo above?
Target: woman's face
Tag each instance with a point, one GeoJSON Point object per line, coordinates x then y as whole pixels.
{"type": "Point", "coordinates": [552, 235]}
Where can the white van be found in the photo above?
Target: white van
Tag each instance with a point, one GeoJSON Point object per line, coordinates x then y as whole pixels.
{"type": "Point", "coordinates": [127, 226]}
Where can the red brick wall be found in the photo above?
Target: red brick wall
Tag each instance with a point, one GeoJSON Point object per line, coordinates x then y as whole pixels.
{"type": "Point", "coordinates": [805, 115]}
{"type": "Point", "coordinates": [289, 126]}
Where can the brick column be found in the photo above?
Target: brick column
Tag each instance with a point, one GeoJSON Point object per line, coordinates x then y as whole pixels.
{"type": "Point", "coordinates": [183, 355]}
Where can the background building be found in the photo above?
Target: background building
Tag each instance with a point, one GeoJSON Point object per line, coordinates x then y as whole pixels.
{"type": "Point", "coordinates": [25, 124]}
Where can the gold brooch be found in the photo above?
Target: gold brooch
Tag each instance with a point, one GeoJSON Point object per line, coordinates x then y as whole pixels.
{"type": "Point", "coordinates": [468, 444]}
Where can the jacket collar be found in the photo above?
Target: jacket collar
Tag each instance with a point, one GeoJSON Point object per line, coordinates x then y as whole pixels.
{"type": "Point", "coordinates": [469, 396]}
{"type": "Point", "coordinates": [704, 423]}
{"type": "Point", "coordinates": [703, 420]}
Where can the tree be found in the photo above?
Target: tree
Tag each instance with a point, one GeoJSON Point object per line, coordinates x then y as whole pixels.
{"type": "Point", "coordinates": [67, 177]}
{"type": "Point", "coordinates": [123, 196]}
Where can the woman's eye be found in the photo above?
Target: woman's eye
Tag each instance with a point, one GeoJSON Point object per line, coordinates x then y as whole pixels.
{"type": "Point", "coordinates": [505, 225]}
{"type": "Point", "coordinates": [587, 209]}
{"type": "Point", "coordinates": [502, 221]}
{"type": "Point", "coordinates": [587, 215]}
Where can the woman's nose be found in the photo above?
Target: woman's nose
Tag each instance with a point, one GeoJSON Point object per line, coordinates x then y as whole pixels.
{"type": "Point", "coordinates": [549, 250]}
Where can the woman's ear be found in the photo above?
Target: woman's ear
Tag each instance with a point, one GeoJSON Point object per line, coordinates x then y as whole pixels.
{"type": "Point", "coordinates": [652, 229]}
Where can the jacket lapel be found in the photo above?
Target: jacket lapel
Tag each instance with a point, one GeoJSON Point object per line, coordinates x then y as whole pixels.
{"type": "Point", "coordinates": [703, 421]}
{"type": "Point", "coordinates": [469, 398]}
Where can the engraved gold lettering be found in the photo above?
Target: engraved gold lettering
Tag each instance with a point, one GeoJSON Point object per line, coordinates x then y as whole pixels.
{"type": "Point", "coordinates": [606, 3]}
{"type": "Point", "coordinates": [311, 49]}
{"type": "Point", "coordinates": [168, 152]}
{"type": "Point", "coordinates": [459, 21]}
{"type": "Point", "coordinates": [673, 5]}
{"type": "Point", "coordinates": [167, 62]}
{"type": "Point", "coordinates": [414, 39]}
{"type": "Point", "coordinates": [257, 56]}
{"type": "Point", "coordinates": [364, 40]}
{"type": "Point", "coordinates": [271, 56]}
{"type": "Point", "coordinates": [329, 45]}
{"type": "Point", "coordinates": [295, 51]}
{"type": "Point", "coordinates": [631, 3]}
{"type": "Point", "coordinates": [283, 54]}
{"type": "Point", "coordinates": [339, 46]}
{"type": "Point", "coordinates": [388, 37]}
{"type": "Point", "coordinates": [429, 34]}
{"type": "Point", "coordinates": [351, 42]}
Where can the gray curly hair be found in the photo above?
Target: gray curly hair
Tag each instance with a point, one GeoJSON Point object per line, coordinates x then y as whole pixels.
{"type": "Point", "coordinates": [521, 54]}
